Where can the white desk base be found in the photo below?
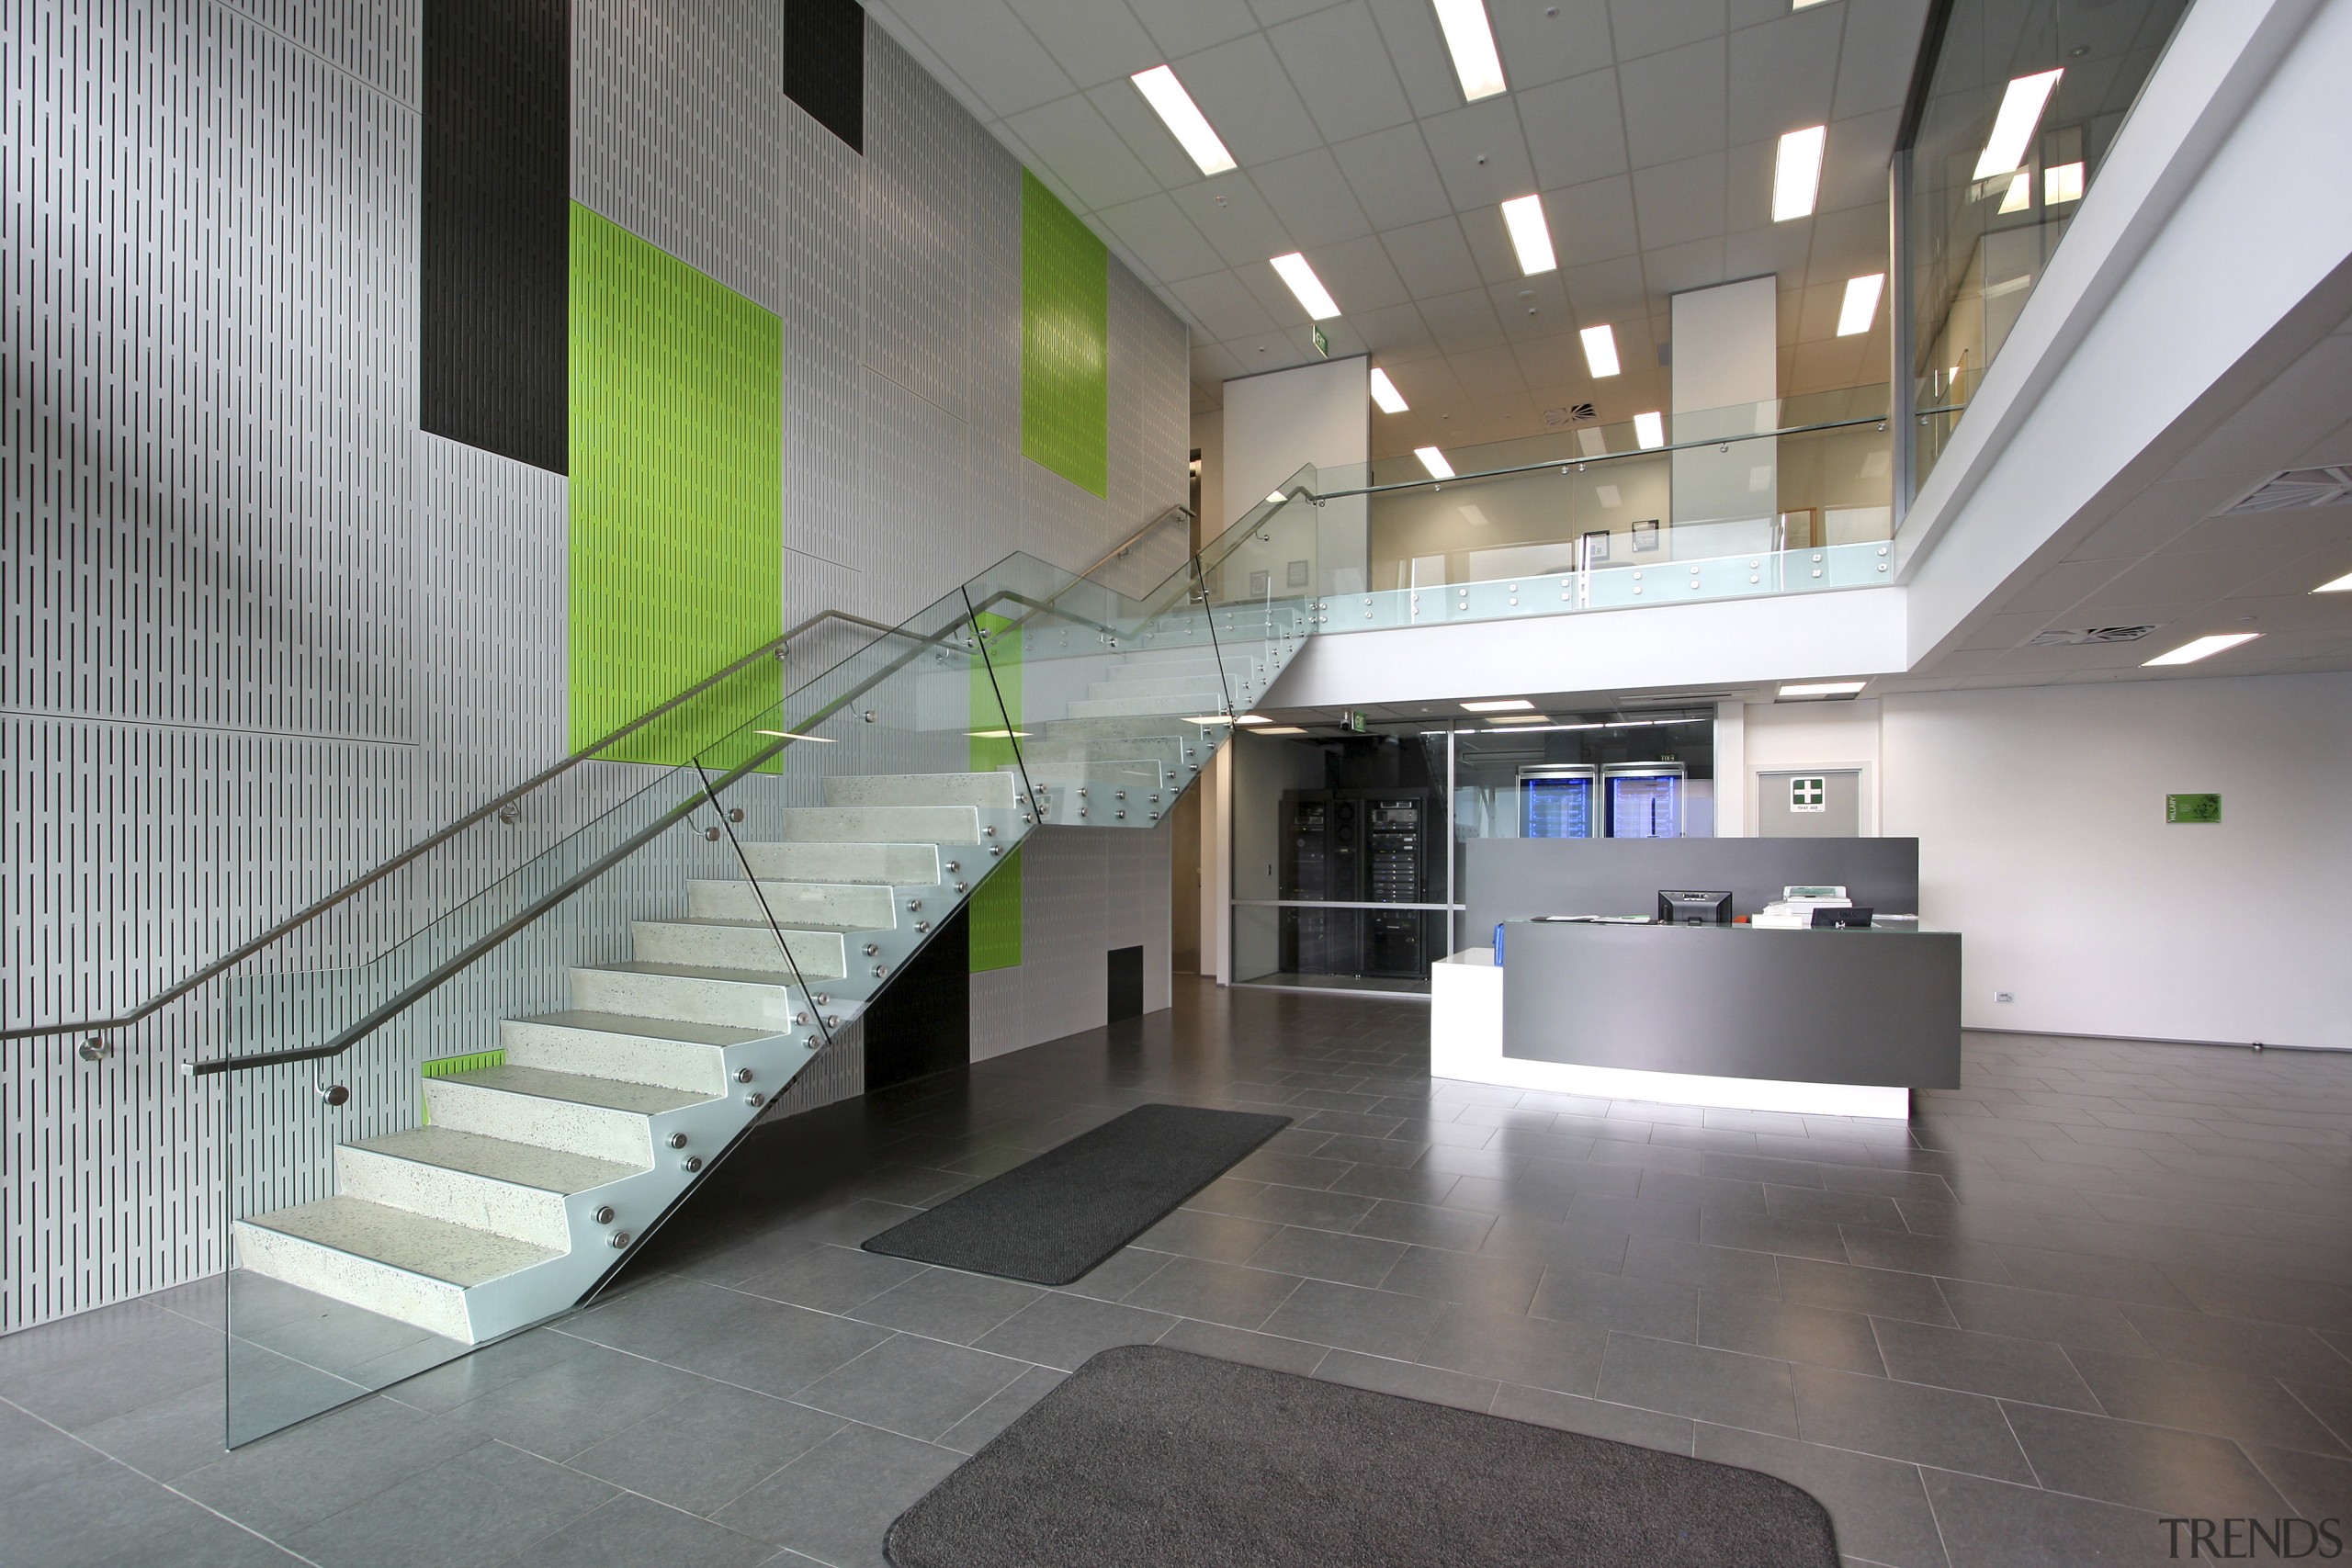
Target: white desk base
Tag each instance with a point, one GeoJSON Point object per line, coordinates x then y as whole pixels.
{"type": "Point", "coordinates": [1466, 1043]}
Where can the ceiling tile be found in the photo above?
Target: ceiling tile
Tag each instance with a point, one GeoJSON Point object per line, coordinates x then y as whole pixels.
{"type": "Point", "coordinates": [1545, 296]}
{"type": "Point", "coordinates": [1221, 307]}
{"type": "Point", "coordinates": [1846, 244]}
{"type": "Point", "coordinates": [1778, 249]}
{"type": "Point", "coordinates": [1645, 26]}
{"type": "Point", "coordinates": [1673, 269]}
{"type": "Point", "coordinates": [1092, 40]}
{"type": "Point", "coordinates": [1874, 65]}
{"type": "Point", "coordinates": [1488, 130]}
{"type": "Point", "coordinates": [1234, 218]}
{"type": "Point", "coordinates": [1122, 108]}
{"type": "Point", "coordinates": [1393, 177]}
{"type": "Point", "coordinates": [1432, 258]}
{"type": "Point", "coordinates": [1674, 103]}
{"type": "Point", "coordinates": [1072, 139]}
{"type": "Point", "coordinates": [988, 47]}
{"type": "Point", "coordinates": [1185, 27]}
{"type": "Point", "coordinates": [1681, 201]}
{"type": "Point", "coordinates": [1343, 71]}
{"type": "Point", "coordinates": [1313, 200]}
{"type": "Point", "coordinates": [1575, 130]}
{"type": "Point", "coordinates": [1241, 88]}
{"type": "Point", "coordinates": [1490, 244]}
{"type": "Point", "coordinates": [1157, 230]}
{"type": "Point", "coordinates": [1593, 222]}
{"type": "Point", "coordinates": [1394, 330]}
{"type": "Point", "coordinates": [1409, 29]}
{"type": "Point", "coordinates": [1490, 370]}
{"type": "Point", "coordinates": [1853, 164]}
{"type": "Point", "coordinates": [1783, 74]}
{"type": "Point", "coordinates": [1360, 276]}
{"type": "Point", "coordinates": [1610, 291]}
{"type": "Point", "coordinates": [1459, 322]}
{"type": "Point", "coordinates": [1542, 42]}
{"type": "Point", "coordinates": [1831, 362]}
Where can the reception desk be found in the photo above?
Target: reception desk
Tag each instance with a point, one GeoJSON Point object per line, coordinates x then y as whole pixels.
{"type": "Point", "coordinates": [1829, 1022]}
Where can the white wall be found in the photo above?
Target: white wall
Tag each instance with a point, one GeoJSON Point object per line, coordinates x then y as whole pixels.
{"type": "Point", "coordinates": [2040, 813]}
{"type": "Point", "coordinates": [1779, 736]}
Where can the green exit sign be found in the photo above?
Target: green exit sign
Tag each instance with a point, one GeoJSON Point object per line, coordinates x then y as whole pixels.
{"type": "Point", "coordinates": [2192, 808]}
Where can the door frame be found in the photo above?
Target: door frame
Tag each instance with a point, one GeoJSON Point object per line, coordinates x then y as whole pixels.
{"type": "Point", "coordinates": [1865, 790]}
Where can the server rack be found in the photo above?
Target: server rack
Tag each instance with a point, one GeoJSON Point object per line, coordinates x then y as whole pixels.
{"type": "Point", "coordinates": [1396, 864]}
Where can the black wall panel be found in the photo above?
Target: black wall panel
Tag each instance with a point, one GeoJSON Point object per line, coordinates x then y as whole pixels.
{"type": "Point", "coordinates": [496, 214]}
{"type": "Point", "coordinates": [1125, 982]}
{"type": "Point", "coordinates": [922, 1023]}
{"type": "Point", "coordinates": [824, 64]}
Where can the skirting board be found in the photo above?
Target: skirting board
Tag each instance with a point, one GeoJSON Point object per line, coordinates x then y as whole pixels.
{"type": "Point", "coordinates": [1467, 1043]}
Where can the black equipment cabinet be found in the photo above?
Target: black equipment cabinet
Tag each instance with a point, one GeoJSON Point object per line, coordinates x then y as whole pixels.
{"type": "Point", "coordinates": [1396, 862]}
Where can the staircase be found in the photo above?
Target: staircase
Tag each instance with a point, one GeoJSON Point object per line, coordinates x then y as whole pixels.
{"type": "Point", "coordinates": [531, 1179]}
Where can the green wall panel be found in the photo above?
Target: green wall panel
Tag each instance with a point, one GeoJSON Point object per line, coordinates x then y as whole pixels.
{"type": "Point", "coordinates": [677, 506]}
{"type": "Point", "coordinates": [996, 909]}
{"type": "Point", "coordinates": [996, 917]}
{"type": "Point", "coordinates": [1065, 337]}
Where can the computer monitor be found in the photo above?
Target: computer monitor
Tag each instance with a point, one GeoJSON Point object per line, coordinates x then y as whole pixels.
{"type": "Point", "coordinates": [1824, 917]}
{"type": "Point", "coordinates": [1676, 908]}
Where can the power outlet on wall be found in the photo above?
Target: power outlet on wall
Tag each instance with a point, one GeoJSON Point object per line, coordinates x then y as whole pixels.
{"type": "Point", "coordinates": [2005, 995]}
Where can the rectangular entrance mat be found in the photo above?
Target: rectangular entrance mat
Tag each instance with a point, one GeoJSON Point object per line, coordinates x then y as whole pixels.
{"type": "Point", "coordinates": [1147, 1455]}
{"type": "Point", "coordinates": [1053, 1218]}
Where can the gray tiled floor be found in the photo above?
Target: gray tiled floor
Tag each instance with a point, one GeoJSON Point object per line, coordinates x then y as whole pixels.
{"type": "Point", "coordinates": [2100, 1284]}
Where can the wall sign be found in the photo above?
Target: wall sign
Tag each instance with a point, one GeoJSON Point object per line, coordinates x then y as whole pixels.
{"type": "Point", "coordinates": [2192, 808]}
{"type": "Point", "coordinates": [1809, 794]}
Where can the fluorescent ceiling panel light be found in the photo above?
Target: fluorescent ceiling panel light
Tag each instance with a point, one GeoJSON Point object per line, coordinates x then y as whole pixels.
{"type": "Point", "coordinates": [2013, 128]}
{"type": "Point", "coordinates": [1471, 41]}
{"type": "Point", "coordinates": [1530, 236]}
{"type": "Point", "coordinates": [2020, 195]}
{"type": "Point", "coordinates": [1860, 308]}
{"type": "Point", "coordinates": [1281, 729]}
{"type": "Point", "coordinates": [1500, 704]}
{"type": "Point", "coordinates": [1206, 718]}
{"type": "Point", "coordinates": [1000, 735]}
{"type": "Point", "coordinates": [1823, 688]}
{"type": "Point", "coordinates": [1307, 285]}
{"type": "Point", "coordinates": [1649, 429]}
{"type": "Point", "coordinates": [1796, 173]}
{"type": "Point", "coordinates": [1253, 718]}
{"type": "Point", "coordinates": [2201, 648]}
{"type": "Point", "coordinates": [790, 735]}
{"type": "Point", "coordinates": [2341, 585]}
{"type": "Point", "coordinates": [1183, 118]}
{"type": "Point", "coordinates": [1384, 393]}
{"type": "Point", "coordinates": [1275, 498]}
{"type": "Point", "coordinates": [1805, 4]}
{"type": "Point", "coordinates": [1518, 718]}
{"type": "Point", "coordinates": [1600, 350]}
{"type": "Point", "coordinates": [2062, 184]}
{"type": "Point", "coordinates": [1434, 461]}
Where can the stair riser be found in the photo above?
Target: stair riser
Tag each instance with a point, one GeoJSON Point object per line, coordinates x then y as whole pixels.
{"type": "Point", "coordinates": [882, 825]}
{"type": "Point", "coordinates": [1186, 687]}
{"type": "Point", "coordinates": [459, 1197]}
{"type": "Point", "coordinates": [592, 1130]}
{"type": "Point", "coordinates": [673, 1064]}
{"type": "Point", "coordinates": [817, 954]}
{"type": "Point", "coordinates": [1205, 702]}
{"type": "Point", "coordinates": [673, 996]}
{"type": "Point", "coordinates": [432, 1305]}
{"type": "Point", "coordinates": [901, 865]}
{"type": "Point", "coordinates": [793, 903]}
{"type": "Point", "coordinates": [990, 791]}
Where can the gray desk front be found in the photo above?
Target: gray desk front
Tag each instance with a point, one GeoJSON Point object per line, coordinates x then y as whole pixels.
{"type": "Point", "coordinates": [1829, 1007]}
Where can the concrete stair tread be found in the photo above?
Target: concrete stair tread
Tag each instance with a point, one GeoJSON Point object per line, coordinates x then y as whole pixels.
{"type": "Point", "coordinates": [698, 972]}
{"type": "Point", "coordinates": [684, 1031]}
{"type": "Point", "coordinates": [496, 1159]}
{"type": "Point", "coordinates": [436, 1249]}
{"type": "Point", "coordinates": [578, 1089]}
{"type": "Point", "coordinates": [789, 926]}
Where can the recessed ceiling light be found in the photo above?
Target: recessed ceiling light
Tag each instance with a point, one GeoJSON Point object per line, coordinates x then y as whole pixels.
{"type": "Point", "coordinates": [2341, 585]}
{"type": "Point", "coordinates": [2061, 183]}
{"type": "Point", "coordinates": [1796, 173]}
{"type": "Point", "coordinates": [2020, 195]}
{"type": "Point", "coordinates": [1275, 498]}
{"type": "Point", "coordinates": [1862, 304]}
{"type": "Point", "coordinates": [1434, 461]}
{"type": "Point", "coordinates": [2021, 108]}
{"type": "Point", "coordinates": [1649, 429]}
{"type": "Point", "coordinates": [2201, 648]}
{"type": "Point", "coordinates": [1253, 718]}
{"type": "Point", "coordinates": [1500, 704]}
{"type": "Point", "coordinates": [1800, 690]}
{"type": "Point", "coordinates": [1384, 392]}
{"type": "Point", "coordinates": [1804, 5]}
{"type": "Point", "coordinates": [1471, 41]}
{"type": "Point", "coordinates": [1183, 118]}
{"type": "Point", "coordinates": [1518, 718]}
{"type": "Point", "coordinates": [791, 735]}
{"type": "Point", "coordinates": [1530, 236]}
{"type": "Point", "coordinates": [1600, 350]}
{"type": "Point", "coordinates": [1205, 718]}
{"type": "Point", "coordinates": [1000, 735]}
{"type": "Point", "coordinates": [1307, 285]}
{"type": "Point", "coordinates": [1281, 729]}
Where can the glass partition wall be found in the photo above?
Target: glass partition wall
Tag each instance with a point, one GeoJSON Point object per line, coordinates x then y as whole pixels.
{"type": "Point", "coordinates": [1350, 870]}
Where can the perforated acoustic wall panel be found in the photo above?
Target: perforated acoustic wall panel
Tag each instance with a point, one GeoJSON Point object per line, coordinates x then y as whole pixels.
{"type": "Point", "coordinates": [264, 628]}
{"type": "Point", "coordinates": [1065, 327]}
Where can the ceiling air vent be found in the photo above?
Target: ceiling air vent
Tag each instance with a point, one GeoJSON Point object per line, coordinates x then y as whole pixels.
{"type": "Point", "coordinates": [2296, 489]}
{"type": "Point", "coordinates": [2088, 634]}
{"type": "Point", "coordinates": [1574, 413]}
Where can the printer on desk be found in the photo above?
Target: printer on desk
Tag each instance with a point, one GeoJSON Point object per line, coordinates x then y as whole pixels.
{"type": "Point", "coordinates": [1800, 908]}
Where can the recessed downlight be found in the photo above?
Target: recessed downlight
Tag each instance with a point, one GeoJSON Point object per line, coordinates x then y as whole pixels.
{"type": "Point", "coordinates": [1470, 39]}
{"type": "Point", "coordinates": [1309, 288]}
{"type": "Point", "coordinates": [2013, 128]}
{"type": "Point", "coordinates": [1384, 392]}
{"type": "Point", "coordinates": [1434, 461]}
{"type": "Point", "coordinates": [2201, 648]}
{"type": "Point", "coordinates": [1649, 430]}
{"type": "Point", "coordinates": [1183, 118]}
{"type": "Point", "coordinates": [1796, 173]}
{"type": "Point", "coordinates": [1860, 308]}
{"type": "Point", "coordinates": [1500, 704]}
{"type": "Point", "coordinates": [1600, 350]}
{"type": "Point", "coordinates": [1530, 236]}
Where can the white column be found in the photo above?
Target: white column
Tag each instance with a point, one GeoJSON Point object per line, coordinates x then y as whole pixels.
{"type": "Point", "coordinates": [1280, 422]}
{"type": "Point", "coordinates": [1731, 769]}
{"type": "Point", "coordinates": [1727, 385]}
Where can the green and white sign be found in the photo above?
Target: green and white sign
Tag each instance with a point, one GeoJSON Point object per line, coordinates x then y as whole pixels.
{"type": "Point", "coordinates": [2192, 808]}
{"type": "Point", "coordinates": [1809, 794]}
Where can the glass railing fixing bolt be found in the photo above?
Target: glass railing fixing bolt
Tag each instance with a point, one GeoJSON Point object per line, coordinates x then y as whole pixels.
{"type": "Point", "coordinates": [742, 1075]}
{"type": "Point", "coordinates": [677, 1140]}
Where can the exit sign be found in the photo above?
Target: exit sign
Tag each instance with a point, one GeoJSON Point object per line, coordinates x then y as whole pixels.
{"type": "Point", "coordinates": [2192, 808]}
